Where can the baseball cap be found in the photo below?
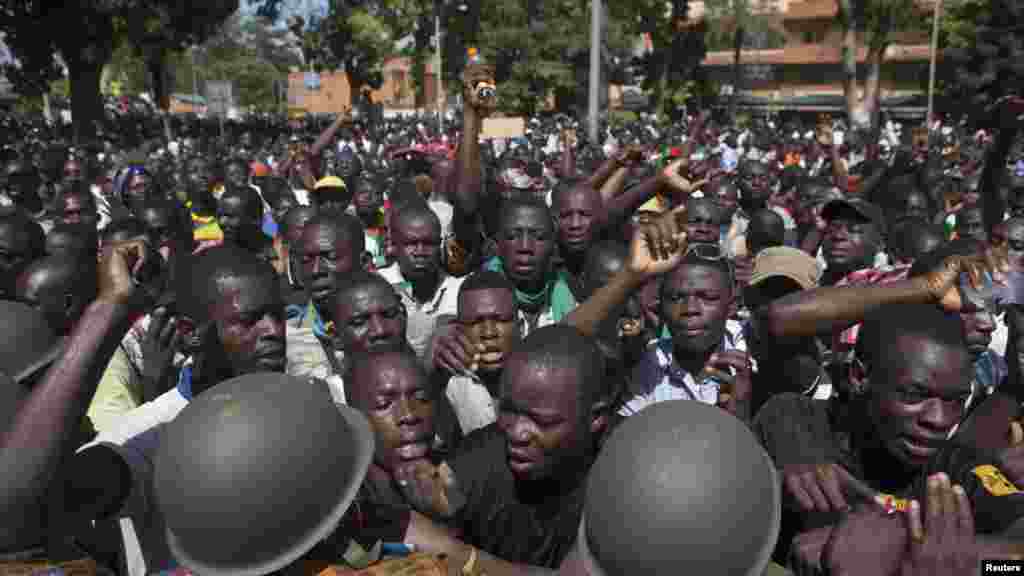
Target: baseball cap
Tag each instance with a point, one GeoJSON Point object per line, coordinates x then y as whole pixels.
{"type": "Point", "coordinates": [787, 262]}
{"type": "Point", "coordinates": [862, 208]}
{"type": "Point", "coordinates": [652, 205]}
{"type": "Point", "coordinates": [330, 182]}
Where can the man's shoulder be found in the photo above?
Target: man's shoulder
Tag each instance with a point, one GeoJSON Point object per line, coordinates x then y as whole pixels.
{"type": "Point", "coordinates": [479, 450]}
{"type": "Point", "coordinates": [139, 428]}
{"type": "Point", "coordinates": [792, 426]}
{"type": "Point", "coordinates": [790, 405]}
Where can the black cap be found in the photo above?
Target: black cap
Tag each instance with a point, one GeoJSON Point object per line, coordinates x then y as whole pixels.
{"type": "Point", "coordinates": [681, 488]}
{"type": "Point", "coordinates": [866, 210]}
{"type": "Point", "coordinates": [257, 470]}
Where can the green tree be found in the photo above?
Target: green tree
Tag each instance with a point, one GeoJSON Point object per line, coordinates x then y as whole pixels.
{"type": "Point", "coordinates": [90, 34]}
{"type": "Point", "coordinates": [983, 54]}
{"type": "Point", "coordinates": [678, 45]}
{"type": "Point", "coordinates": [733, 24]}
{"type": "Point", "coordinates": [538, 49]}
{"type": "Point", "coordinates": [873, 21]}
{"type": "Point", "coordinates": [355, 36]}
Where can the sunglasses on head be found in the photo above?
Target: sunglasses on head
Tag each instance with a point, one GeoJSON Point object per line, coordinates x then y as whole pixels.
{"type": "Point", "coordinates": [711, 253]}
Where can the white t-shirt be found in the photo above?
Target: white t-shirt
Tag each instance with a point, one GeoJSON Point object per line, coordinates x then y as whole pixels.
{"type": "Point", "coordinates": [422, 317]}
{"type": "Point", "coordinates": [473, 404]}
{"type": "Point", "coordinates": [445, 212]}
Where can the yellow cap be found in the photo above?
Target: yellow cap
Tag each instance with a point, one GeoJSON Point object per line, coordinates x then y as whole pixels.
{"type": "Point", "coordinates": [471, 51]}
{"type": "Point", "coordinates": [652, 205]}
{"type": "Point", "coordinates": [330, 182]}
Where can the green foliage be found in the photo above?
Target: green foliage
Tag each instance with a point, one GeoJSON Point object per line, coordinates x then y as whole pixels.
{"type": "Point", "coordinates": [356, 36]}
{"type": "Point", "coordinates": [86, 34]}
{"type": "Point", "coordinates": [543, 53]}
{"type": "Point", "coordinates": [679, 45]}
{"type": "Point", "coordinates": [725, 17]}
{"type": "Point", "coordinates": [246, 51]}
{"type": "Point", "coordinates": [984, 54]}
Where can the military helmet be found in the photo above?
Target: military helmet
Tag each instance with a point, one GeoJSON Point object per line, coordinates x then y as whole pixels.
{"type": "Point", "coordinates": [257, 470]}
{"type": "Point", "coordinates": [681, 488]}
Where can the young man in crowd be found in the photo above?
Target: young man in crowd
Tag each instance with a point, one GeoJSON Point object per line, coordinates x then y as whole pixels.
{"type": "Point", "coordinates": [240, 216]}
{"type": "Point", "coordinates": [912, 391]}
{"type": "Point", "coordinates": [332, 246]}
{"type": "Point", "coordinates": [527, 471]}
{"type": "Point", "coordinates": [697, 298]}
{"type": "Point", "coordinates": [427, 291]}
{"type": "Point", "coordinates": [488, 331]}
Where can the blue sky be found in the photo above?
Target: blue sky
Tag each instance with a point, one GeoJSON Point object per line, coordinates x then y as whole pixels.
{"type": "Point", "coordinates": [288, 8]}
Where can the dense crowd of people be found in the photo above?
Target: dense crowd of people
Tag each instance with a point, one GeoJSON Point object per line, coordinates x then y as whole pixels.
{"type": "Point", "coordinates": [686, 348]}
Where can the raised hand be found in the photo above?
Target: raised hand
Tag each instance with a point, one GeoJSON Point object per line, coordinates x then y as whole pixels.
{"type": "Point", "coordinates": [659, 246]}
{"type": "Point", "coordinates": [733, 369]}
{"type": "Point", "coordinates": [479, 89]}
{"type": "Point", "coordinates": [943, 282]}
{"type": "Point", "coordinates": [158, 347]}
{"type": "Point", "coordinates": [122, 271]}
{"type": "Point", "coordinates": [679, 185]}
{"type": "Point", "coordinates": [453, 352]}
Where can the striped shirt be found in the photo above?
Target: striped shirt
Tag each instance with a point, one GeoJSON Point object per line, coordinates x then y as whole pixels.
{"type": "Point", "coordinates": [659, 378]}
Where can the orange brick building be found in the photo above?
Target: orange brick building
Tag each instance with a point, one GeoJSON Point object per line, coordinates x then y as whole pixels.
{"type": "Point", "coordinates": [809, 62]}
{"type": "Point", "coordinates": [334, 94]}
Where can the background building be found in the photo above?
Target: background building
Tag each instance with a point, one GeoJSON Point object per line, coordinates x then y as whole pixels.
{"type": "Point", "coordinates": [808, 64]}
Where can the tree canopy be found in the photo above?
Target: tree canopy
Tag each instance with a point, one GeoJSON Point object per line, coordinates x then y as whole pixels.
{"type": "Point", "coordinates": [984, 52]}
{"type": "Point", "coordinates": [41, 49]}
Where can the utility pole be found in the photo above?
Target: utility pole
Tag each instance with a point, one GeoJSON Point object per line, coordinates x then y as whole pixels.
{"type": "Point", "coordinates": [596, 13]}
{"type": "Point", "coordinates": [931, 66]}
{"type": "Point", "coordinates": [439, 84]}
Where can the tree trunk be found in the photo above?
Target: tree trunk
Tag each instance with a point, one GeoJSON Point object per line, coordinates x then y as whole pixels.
{"type": "Point", "coordinates": [870, 105]}
{"type": "Point", "coordinates": [736, 74]}
{"type": "Point", "coordinates": [849, 57]}
{"type": "Point", "coordinates": [355, 84]}
{"type": "Point", "coordinates": [660, 84]}
{"type": "Point", "coordinates": [86, 104]}
{"type": "Point", "coordinates": [872, 83]}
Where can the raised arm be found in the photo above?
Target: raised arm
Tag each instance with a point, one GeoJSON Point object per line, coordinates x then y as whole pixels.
{"type": "Point", "coordinates": [480, 97]}
{"type": "Point", "coordinates": [995, 162]}
{"type": "Point", "coordinates": [655, 249]}
{"type": "Point", "coordinates": [327, 136]}
{"type": "Point", "coordinates": [567, 166]}
{"type": "Point", "coordinates": [825, 310]}
{"type": "Point", "coordinates": [33, 444]}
